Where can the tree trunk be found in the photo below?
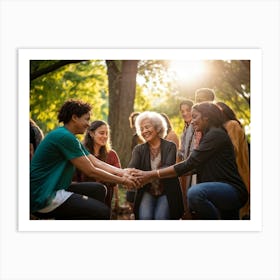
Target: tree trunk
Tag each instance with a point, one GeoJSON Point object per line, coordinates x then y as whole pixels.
{"type": "Point", "coordinates": [122, 87]}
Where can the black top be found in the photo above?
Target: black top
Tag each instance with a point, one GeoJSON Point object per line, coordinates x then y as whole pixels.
{"type": "Point", "coordinates": [32, 137]}
{"type": "Point", "coordinates": [141, 160]}
{"type": "Point", "coordinates": [214, 161]}
{"type": "Point", "coordinates": [36, 135]}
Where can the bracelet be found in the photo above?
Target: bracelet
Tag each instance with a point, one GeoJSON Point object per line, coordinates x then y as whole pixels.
{"type": "Point", "coordinates": [158, 173]}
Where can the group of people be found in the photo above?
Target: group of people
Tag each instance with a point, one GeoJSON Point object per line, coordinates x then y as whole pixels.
{"type": "Point", "coordinates": [205, 174]}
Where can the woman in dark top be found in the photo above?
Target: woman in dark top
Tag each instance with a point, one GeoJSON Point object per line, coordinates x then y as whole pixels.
{"type": "Point", "coordinates": [220, 191]}
{"type": "Point", "coordinates": [158, 199]}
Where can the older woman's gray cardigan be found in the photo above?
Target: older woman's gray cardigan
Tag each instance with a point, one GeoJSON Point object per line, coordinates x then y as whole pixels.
{"type": "Point", "coordinates": [141, 160]}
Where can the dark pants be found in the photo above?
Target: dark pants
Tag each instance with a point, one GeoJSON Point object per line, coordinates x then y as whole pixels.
{"type": "Point", "coordinates": [86, 203]}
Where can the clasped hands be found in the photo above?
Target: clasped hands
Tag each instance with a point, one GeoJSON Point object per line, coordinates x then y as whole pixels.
{"type": "Point", "coordinates": [135, 178]}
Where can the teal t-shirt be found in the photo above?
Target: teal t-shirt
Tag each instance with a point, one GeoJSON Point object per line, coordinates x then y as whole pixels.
{"type": "Point", "coordinates": [51, 169]}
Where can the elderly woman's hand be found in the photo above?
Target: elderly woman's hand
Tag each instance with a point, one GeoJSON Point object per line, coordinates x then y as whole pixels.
{"type": "Point", "coordinates": [145, 176]}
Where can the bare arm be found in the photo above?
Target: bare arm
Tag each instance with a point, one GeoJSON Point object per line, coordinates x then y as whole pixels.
{"type": "Point", "coordinates": [86, 166]}
{"type": "Point", "coordinates": [105, 166]}
{"type": "Point", "coordinates": [148, 176]}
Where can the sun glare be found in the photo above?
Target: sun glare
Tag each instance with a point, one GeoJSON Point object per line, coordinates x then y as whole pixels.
{"type": "Point", "coordinates": [187, 70]}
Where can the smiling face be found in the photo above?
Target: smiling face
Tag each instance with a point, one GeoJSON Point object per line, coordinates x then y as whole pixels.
{"type": "Point", "coordinates": [148, 131]}
{"type": "Point", "coordinates": [81, 123]}
{"type": "Point", "coordinates": [100, 135]}
{"type": "Point", "coordinates": [186, 114]}
{"type": "Point", "coordinates": [199, 122]}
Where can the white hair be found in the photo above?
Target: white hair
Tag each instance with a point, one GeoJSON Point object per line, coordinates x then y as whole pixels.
{"type": "Point", "coordinates": [157, 120]}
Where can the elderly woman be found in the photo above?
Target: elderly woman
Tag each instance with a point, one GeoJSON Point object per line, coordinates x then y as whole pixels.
{"type": "Point", "coordinates": [220, 191]}
{"type": "Point", "coordinates": [159, 199]}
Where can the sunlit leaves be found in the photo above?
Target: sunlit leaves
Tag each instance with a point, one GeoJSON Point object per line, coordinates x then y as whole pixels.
{"type": "Point", "coordinates": [156, 89]}
{"type": "Point", "coordinates": [86, 80]}
{"type": "Point", "coordinates": [230, 80]}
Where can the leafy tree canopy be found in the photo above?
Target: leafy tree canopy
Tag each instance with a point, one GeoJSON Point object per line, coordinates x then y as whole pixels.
{"type": "Point", "coordinates": [85, 80]}
{"type": "Point", "coordinates": [54, 81]}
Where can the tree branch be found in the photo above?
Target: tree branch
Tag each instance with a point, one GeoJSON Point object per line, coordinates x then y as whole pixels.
{"type": "Point", "coordinates": [51, 68]}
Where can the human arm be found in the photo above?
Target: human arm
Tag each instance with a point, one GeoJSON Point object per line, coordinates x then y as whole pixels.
{"type": "Point", "coordinates": [109, 168]}
{"type": "Point", "coordinates": [148, 176]}
{"type": "Point", "coordinates": [105, 166]}
{"type": "Point", "coordinates": [113, 159]}
{"type": "Point", "coordinates": [84, 164]}
{"type": "Point", "coordinates": [210, 144]}
{"type": "Point", "coordinates": [168, 158]}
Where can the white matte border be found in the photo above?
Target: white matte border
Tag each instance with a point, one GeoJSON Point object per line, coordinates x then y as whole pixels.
{"type": "Point", "coordinates": [254, 55]}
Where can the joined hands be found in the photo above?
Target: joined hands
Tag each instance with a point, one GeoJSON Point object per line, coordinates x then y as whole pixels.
{"type": "Point", "coordinates": [135, 178]}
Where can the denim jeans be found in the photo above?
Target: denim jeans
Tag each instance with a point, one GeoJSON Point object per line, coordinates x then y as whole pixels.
{"type": "Point", "coordinates": [154, 207]}
{"type": "Point", "coordinates": [213, 201]}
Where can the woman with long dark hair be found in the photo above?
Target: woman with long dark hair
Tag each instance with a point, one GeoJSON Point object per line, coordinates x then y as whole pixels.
{"type": "Point", "coordinates": [220, 191]}
{"type": "Point", "coordinates": [97, 141]}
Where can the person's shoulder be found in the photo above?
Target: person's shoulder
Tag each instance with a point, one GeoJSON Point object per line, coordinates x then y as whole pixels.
{"type": "Point", "coordinates": [112, 152]}
{"type": "Point", "coordinates": [173, 133]}
{"type": "Point", "coordinates": [61, 130]}
{"type": "Point", "coordinates": [217, 136]}
{"type": "Point", "coordinates": [168, 143]}
{"type": "Point", "coordinates": [141, 147]}
{"type": "Point", "coordinates": [60, 133]}
{"type": "Point", "coordinates": [234, 127]}
{"type": "Point", "coordinates": [217, 132]}
{"type": "Point", "coordinates": [232, 123]}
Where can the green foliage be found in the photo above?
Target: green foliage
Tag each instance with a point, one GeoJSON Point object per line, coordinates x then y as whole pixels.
{"type": "Point", "coordinates": [229, 79]}
{"type": "Point", "coordinates": [141, 102]}
{"type": "Point", "coordinates": [86, 80]}
{"type": "Point", "coordinates": [157, 89]}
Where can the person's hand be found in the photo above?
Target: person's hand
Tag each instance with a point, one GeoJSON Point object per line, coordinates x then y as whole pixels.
{"type": "Point", "coordinates": [147, 177]}
{"type": "Point", "coordinates": [130, 174]}
{"type": "Point", "coordinates": [130, 181]}
{"type": "Point", "coordinates": [129, 171]}
{"type": "Point", "coordinates": [139, 177]}
{"type": "Point", "coordinates": [144, 176]}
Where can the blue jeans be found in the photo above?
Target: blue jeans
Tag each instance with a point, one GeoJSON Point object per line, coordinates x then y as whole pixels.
{"type": "Point", "coordinates": [153, 207]}
{"type": "Point", "coordinates": [214, 201]}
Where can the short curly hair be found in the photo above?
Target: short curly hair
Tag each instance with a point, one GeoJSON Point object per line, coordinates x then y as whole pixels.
{"type": "Point", "coordinates": [157, 120]}
{"type": "Point", "coordinates": [72, 107]}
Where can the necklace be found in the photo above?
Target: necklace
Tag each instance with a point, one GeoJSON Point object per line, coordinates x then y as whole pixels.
{"type": "Point", "coordinates": [154, 152]}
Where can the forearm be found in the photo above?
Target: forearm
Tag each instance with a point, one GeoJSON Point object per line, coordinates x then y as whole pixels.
{"type": "Point", "coordinates": [148, 176]}
{"type": "Point", "coordinates": [105, 166]}
{"type": "Point", "coordinates": [181, 168]}
{"type": "Point", "coordinates": [167, 172]}
{"type": "Point", "coordinates": [90, 169]}
{"type": "Point", "coordinates": [106, 176]}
